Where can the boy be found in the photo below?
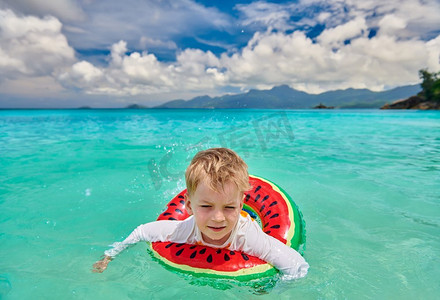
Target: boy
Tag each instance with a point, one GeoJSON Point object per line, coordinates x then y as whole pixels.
{"type": "Point", "coordinates": [216, 181]}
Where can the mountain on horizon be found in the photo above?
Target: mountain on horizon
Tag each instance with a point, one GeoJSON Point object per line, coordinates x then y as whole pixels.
{"type": "Point", "coordinates": [284, 97]}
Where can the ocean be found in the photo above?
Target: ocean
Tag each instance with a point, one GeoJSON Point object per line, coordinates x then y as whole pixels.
{"type": "Point", "coordinates": [75, 181]}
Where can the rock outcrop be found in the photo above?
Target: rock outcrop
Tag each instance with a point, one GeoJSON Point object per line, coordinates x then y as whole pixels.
{"type": "Point", "coordinates": [413, 102]}
{"type": "Point", "coordinates": [322, 106]}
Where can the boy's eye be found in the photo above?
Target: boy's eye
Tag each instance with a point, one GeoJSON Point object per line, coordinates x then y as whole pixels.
{"type": "Point", "coordinates": [230, 207]}
{"type": "Point", "coordinates": [205, 205]}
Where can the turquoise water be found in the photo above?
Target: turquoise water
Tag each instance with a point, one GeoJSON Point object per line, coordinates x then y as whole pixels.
{"type": "Point", "coordinates": [74, 181]}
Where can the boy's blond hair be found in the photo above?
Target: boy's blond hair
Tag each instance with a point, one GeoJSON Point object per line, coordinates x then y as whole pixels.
{"type": "Point", "coordinates": [218, 166]}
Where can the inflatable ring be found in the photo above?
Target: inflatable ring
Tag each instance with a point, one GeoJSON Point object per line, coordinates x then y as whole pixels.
{"type": "Point", "coordinates": [267, 203]}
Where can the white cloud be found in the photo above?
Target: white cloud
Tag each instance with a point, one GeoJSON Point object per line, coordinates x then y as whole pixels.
{"type": "Point", "coordinates": [118, 51]}
{"type": "Point", "coordinates": [147, 42]}
{"type": "Point", "coordinates": [269, 59]}
{"type": "Point", "coordinates": [433, 60]}
{"type": "Point", "coordinates": [419, 16]}
{"type": "Point", "coordinates": [322, 17]}
{"type": "Point", "coordinates": [156, 22]}
{"type": "Point", "coordinates": [337, 35]}
{"type": "Point", "coordinates": [267, 14]}
{"type": "Point", "coordinates": [141, 73]}
{"type": "Point", "coordinates": [31, 46]}
{"type": "Point", "coordinates": [66, 10]}
{"type": "Point", "coordinates": [39, 86]}
{"type": "Point", "coordinates": [91, 24]}
{"type": "Point", "coordinates": [275, 58]}
{"type": "Point", "coordinates": [34, 47]}
{"type": "Point", "coordinates": [83, 72]}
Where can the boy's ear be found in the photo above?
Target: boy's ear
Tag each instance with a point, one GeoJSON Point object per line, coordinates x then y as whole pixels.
{"type": "Point", "coordinates": [241, 202]}
{"type": "Point", "coordinates": [188, 204]}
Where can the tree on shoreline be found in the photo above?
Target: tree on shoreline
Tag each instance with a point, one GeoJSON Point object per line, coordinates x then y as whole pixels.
{"type": "Point", "coordinates": [430, 85]}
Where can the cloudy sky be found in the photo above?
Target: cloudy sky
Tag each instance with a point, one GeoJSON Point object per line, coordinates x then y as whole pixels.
{"type": "Point", "coordinates": [111, 53]}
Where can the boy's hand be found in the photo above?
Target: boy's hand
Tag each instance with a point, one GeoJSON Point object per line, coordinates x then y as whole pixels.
{"type": "Point", "coordinates": [101, 265]}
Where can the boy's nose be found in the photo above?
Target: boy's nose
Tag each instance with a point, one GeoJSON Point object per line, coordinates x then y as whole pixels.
{"type": "Point", "coordinates": [218, 216]}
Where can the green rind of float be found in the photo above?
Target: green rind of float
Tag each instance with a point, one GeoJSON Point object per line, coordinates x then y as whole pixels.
{"type": "Point", "coordinates": [298, 241]}
{"type": "Point", "coordinates": [299, 238]}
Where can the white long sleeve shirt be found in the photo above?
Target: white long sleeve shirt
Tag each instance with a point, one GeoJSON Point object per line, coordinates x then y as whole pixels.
{"type": "Point", "coordinates": [247, 237]}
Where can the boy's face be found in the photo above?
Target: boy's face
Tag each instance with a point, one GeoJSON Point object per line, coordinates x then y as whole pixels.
{"type": "Point", "coordinates": [215, 213]}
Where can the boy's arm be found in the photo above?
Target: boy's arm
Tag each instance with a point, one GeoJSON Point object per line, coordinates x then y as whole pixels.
{"type": "Point", "coordinates": [286, 259]}
{"type": "Point", "coordinates": [101, 265]}
{"type": "Point", "coordinates": [273, 251]}
{"type": "Point", "coordinates": [151, 232]}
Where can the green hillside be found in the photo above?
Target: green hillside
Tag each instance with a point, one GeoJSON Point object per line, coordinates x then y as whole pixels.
{"type": "Point", "coordinates": [284, 97]}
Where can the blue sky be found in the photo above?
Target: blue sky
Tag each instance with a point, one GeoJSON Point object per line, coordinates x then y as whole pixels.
{"type": "Point", "coordinates": [71, 53]}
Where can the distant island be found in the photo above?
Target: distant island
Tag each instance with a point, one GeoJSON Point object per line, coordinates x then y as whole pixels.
{"type": "Point", "coordinates": [322, 106]}
{"type": "Point", "coordinates": [427, 99]}
{"type": "Point", "coordinates": [284, 97]}
{"type": "Point", "coordinates": [135, 106]}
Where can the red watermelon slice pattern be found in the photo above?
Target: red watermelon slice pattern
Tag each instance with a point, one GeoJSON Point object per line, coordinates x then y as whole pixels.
{"type": "Point", "coordinates": [276, 212]}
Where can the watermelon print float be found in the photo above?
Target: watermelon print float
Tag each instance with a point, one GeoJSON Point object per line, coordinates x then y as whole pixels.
{"type": "Point", "coordinates": [267, 203]}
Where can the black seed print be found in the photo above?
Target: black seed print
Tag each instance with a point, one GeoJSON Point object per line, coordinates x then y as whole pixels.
{"type": "Point", "coordinates": [267, 232]}
{"type": "Point", "coordinates": [193, 254]}
{"type": "Point", "coordinates": [268, 213]}
{"type": "Point", "coordinates": [273, 203]}
{"type": "Point", "coordinates": [209, 259]}
{"type": "Point", "coordinates": [247, 197]}
{"type": "Point", "coordinates": [166, 214]}
{"type": "Point", "coordinates": [274, 216]}
{"type": "Point", "coordinates": [245, 257]}
{"type": "Point", "coordinates": [256, 198]}
{"type": "Point", "coordinates": [179, 211]}
{"type": "Point", "coordinates": [275, 226]}
{"type": "Point", "coordinates": [179, 252]}
{"type": "Point", "coordinates": [173, 204]}
{"type": "Point", "coordinates": [265, 198]}
{"type": "Point", "coordinates": [261, 209]}
{"type": "Point", "coordinates": [257, 189]}
{"type": "Point", "coordinates": [192, 247]}
{"type": "Point", "coordinates": [232, 252]}
{"type": "Point", "coordinates": [182, 202]}
{"type": "Point", "coordinates": [218, 251]}
{"type": "Point", "coordinates": [265, 225]}
{"type": "Point", "coordinates": [202, 251]}
{"type": "Point", "coordinates": [227, 257]}
{"type": "Point", "coordinates": [169, 245]}
{"type": "Point", "coordinates": [179, 245]}
{"type": "Point", "coordinates": [171, 218]}
{"type": "Point", "coordinates": [181, 197]}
